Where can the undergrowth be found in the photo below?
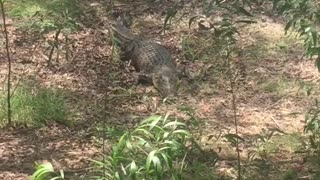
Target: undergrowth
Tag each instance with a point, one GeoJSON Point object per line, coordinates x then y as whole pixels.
{"type": "Point", "coordinates": [35, 106]}
{"type": "Point", "coordinates": [156, 149]}
{"type": "Point", "coordinates": [45, 15]}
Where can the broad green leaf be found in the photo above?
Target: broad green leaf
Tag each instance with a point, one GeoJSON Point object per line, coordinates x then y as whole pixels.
{"type": "Point", "coordinates": [156, 127]}
{"type": "Point", "coordinates": [174, 123]}
{"type": "Point", "coordinates": [157, 164]}
{"type": "Point", "coordinates": [151, 118]}
{"type": "Point", "coordinates": [133, 167]}
{"type": "Point", "coordinates": [181, 131]}
{"type": "Point", "coordinates": [42, 173]}
{"type": "Point", "coordinates": [307, 29]}
{"type": "Point", "coordinates": [128, 145]}
{"type": "Point", "coordinates": [123, 139]}
{"type": "Point", "coordinates": [123, 169]}
{"type": "Point", "coordinates": [153, 124]}
{"type": "Point", "coordinates": [166, 135]}
{"type": "Point", "coordinates": [97, 162]}
{"type": "Point", "coordinates": [144, 131]}
{"type": "Point", "coordinates": [42, 169]}
{"type": "Point", "coordinates": [164, 148]}
{"type": "Point", "coordinates": [167, 159]}
{"type": "Point", "coordinates": [141, 140]}
{"type": "Point", "coordinates": [173, 143]}
{"type": "Point", "coordinates": [165, 118]}
{"type": "Point", "coordinates": [55, 178]}
{"type": "Point", "coordinates": [117, 175]}
{"type": "Point", "coordinates": [151, 155]}
{"type": "Point", "coordinates": [47, 166]}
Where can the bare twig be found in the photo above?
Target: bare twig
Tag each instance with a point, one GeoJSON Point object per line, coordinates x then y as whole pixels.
{"type": "Point", "coordinates": [275, 122]}
{"type": "Point", "coordinates": [5, 32]}
{"type": "Point", "coordinates": [67, 47]}
{"type": "Point", "coordinates": [54, 45]}
{"type": "Point", "coordinates": [106, 110]}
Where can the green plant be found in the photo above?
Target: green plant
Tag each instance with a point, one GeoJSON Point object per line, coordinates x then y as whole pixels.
{"type": "Point", "coordinates": [5, 32]}
{"type": "Point", "coordinates": [46, 15]}
{"type": "Point", "coordinates": [49, 105]}
{"type": "Point", "coordinates": [156, 149]}
{"type": "Point", "coordinates": [188, 50]}
{"type": "Point", "coordinates": [312, 127]}
{"type": "Point", "coordinates": [45, 171]}
{"type": "Point", "coordinates": [36, 105]}
{"type": "Point", "coordinates": [303, 17]}
{"type": "Point", "coordinates": [264, 146]}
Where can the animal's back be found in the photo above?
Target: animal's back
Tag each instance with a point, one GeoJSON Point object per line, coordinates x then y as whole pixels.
{"type": "Point", "coordinates": [147, 55]}
{"type": "Point", "coordinates": [150, 58]}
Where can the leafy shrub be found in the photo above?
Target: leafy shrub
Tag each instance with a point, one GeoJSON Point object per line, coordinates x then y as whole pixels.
{"type": "Point", "coordinates": [45, 171]}
{"type": "Point", "coordinates": [313, 127]}
{"type": "Point", "coordinates": [303, 17]}
{"type": "Point", "coordinates": [154, 150]}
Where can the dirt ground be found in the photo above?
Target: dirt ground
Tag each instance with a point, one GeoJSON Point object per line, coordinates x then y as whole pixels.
{"type": "Point", "coordinates": [270, 97]}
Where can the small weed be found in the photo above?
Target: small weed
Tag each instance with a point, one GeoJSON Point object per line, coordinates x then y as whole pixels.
{"type": "Point", "coordinates": [46, 171]}
{"type": "Point", "coordinates": [279, 85]}
{"type": "Point", "coordinates": [271, 87]}
{"type": "Point", "coordinates": [35, 106]}
{"type": "Point", "coordinates": [290, 175]}
{"type": "Point", "coordinates": [49, 105]}
{"type": "Point", "coordinates": [189, 49]}
{"type": "Point", "coordinates": [45, 15]}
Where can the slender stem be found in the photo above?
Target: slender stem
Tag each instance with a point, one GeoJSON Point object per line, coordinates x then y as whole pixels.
{"type": "Point", "coordinates": [54, 45]}
{"type": "Point", "coordinates": [234, 107]}
{"type": "Point", "coordinates": [5, 32]}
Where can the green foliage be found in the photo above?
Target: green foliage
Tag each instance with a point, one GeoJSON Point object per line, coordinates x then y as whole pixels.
{"type": "Point", "coordinates": [290, 175]}
{"type": "Point", "coordinates": [312, 120]}
{"type": "Point", "coordinates": [45, 171]}
{"type": "Point", "coordinates": [188, 50]}
{"type": "Point", "coordinates": [304, 17]}
{"type": "Point", "coordinates": [264, 145]}
{"type": "Point", "coordinates": [153, 150]}
{"type": "Point", "coordinates": [312, 127]}
{"type": "Point", "coordinates": [35, 105]}
{"type": "Point", "coordinates": [222, 37]}
{"type": "Point", "coordinates": [49, 105]}
{"type": "Point", "coordinates": [46, 15]}
{"type": "Point", "coordinates": [279, 85]}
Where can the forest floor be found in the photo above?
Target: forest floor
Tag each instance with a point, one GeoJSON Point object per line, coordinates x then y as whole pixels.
{"type": "Point", "coordinates": [271, 95]}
